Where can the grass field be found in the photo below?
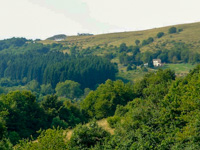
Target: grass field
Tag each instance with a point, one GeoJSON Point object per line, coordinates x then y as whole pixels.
{"type": "Point", "coordinates": [179, 68]}
{"type": "Point", "coordinates": [135, 75]}
{"type": "Point", "coordinates": [190, 35]}
{"type": "Point", "coordinates": [130, 76]}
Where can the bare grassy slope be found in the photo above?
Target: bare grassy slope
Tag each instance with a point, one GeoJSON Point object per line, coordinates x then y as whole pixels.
{"type": "Point", "coordinates": [190, 34]}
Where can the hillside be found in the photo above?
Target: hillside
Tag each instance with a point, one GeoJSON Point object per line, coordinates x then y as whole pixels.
{"type": "Point", "coordinates": [189, 35]}
{"type": "Point", "coordinates": [159, 112]}
{"type": "Point", "coordinates": [66, 95]}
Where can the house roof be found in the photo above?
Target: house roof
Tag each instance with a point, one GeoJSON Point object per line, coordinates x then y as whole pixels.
{"type": "Point", "coordinates": [158, 60]}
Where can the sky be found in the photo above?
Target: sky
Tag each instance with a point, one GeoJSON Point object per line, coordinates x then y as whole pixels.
{"type": "Point", "coordinates": [44, 18]}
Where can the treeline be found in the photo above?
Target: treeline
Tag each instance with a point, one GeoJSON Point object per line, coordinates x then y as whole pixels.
{"type": "Point", "coordinates": [179, 53]}
{"type": "Point", "coordinates": [46, 64]}
{"type": "Point", "coordinates": [22, 45]}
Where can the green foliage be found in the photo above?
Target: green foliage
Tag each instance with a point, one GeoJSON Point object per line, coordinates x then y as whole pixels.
{"type": "Point", "coordinates": [129, 68]}
{"type": "Point", "coordinates": [150, 64]}
{"type": "Point", "coordinates": [144, 42]}
{"type": "Point", "coordinates": [134, 67]}
{"type": "Point", "coordinates": [5, 144]}
{"type": "Point", "coordinates": [33, 85]}
{"type": "Point", "coordinates": [39, 63]}
{"type": "Point", "coordinates": [137, 42]}
{"type": "Point", "coordinates": [50, 139]}
{"type": "Point", "coordinates": [144, 69]}
{"type": "Point", "coordinates": [51, 106]}
{"type": "Point", "coordinates": [150, 40]}
{"type": "Point", "coordinates": [160, 34]}
{"type": "Point", "coordinates": [112, 121]}
{"type": "Point", "coordinates": [13, 42]}
{"type": "Point", "coordinates": [154, 113]}
{"type": "Point", "coordinates": [64, 114]}
{"type": "Point", "coordinates": [123, 47]}
{"type": "Point", "coordinates": [103, 101]}
{"type": "Point", "coordinates": [180, 30]}
{"type": "Point", "coordinates": [172, 30]}
{"type": "Point", "coordinates": [56, 122]}
{"type": "Point", "coordinates": [24, 114]}
{"type": "Point", "coordinates": [71, 114]}
{"type": "Point", "coordinates": [87, 136]}
{"type": "Point", "coordinates": [109, 56]}
{"type": "Point", "coordinates": [69, 89]}
{"type": "Point", "coordinates": [165, 117]}
{"type": "Point", "coordinates": [46, 89]}
{"type": "Point", "coordinates": [14, 137]}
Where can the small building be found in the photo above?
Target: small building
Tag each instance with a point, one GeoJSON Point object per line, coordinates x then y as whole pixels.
{"type": "Point", "coordinates": [157, 62]}
{"type": "Point", "coordinates": [84, 34]}
{"type": "Point", "coordinates": [146, 64]}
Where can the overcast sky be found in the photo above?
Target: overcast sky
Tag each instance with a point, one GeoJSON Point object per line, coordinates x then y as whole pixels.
{"type": "Point", "coordinates": [43, 18]}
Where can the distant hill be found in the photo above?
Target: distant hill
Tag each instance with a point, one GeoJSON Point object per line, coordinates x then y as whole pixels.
{"type": "Point", "coordinates": [58, 37]}
{"type": "Point", "coordinates": [190, 34]}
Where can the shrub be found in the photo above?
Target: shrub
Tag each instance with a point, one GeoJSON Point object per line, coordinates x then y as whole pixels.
{"type": "Point", "coordinates": [129, 68]}
{"type": "Point", "coordinates": [137, 42]}
{"type": "Point", "coordinates": [87, 136]}
{"type": "Point", "coordinates": [144, 69]}
{"type": "Point", "coordinates": [150, 40]}
{"type": "Point", "coordinates": [180, 30]}
{"type": "Point", "coordinates": [56, 122]}
{"type": "Point", "coordinates": [144, 42]}
{"type": "Point", "coordinates": [160, 34]}
{"type": "Point", "coordinates": [50, 139]}
{"type": "Point", "coordinates": [172, 30]}
{"type": "Point", "coordinates": [134, 67]}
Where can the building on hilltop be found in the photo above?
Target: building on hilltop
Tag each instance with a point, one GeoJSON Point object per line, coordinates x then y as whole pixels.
{"type": "Point", "coordinates": [84, 34]}
{"type": "Point", "coordinates": [157, 62]}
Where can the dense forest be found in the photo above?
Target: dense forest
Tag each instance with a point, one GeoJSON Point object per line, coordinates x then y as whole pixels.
{"type": "Point", "coordinates": [158, 112]}
{"type": "Point", "coordinates": [46, 64]}
{"type": "Point", "coordinates": [50, 90]}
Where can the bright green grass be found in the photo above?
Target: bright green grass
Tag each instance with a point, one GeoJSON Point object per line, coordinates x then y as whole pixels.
{"type": "Point", "coordinates": [131, 75]}
{"type": "Point", "coordinates": [179, 68]}
{"type": "Point", "coordinates": [135, 75]}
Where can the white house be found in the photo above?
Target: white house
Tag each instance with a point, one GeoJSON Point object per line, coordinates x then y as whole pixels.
{"type": "Point", "coordinates": [157, 62]}
{"type": "Point", "coordinates": [146, 64]}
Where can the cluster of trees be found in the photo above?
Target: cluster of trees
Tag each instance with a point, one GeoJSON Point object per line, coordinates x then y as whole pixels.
{"type": "Point", "coordinates": [21, 116]}
{"type": "Point", "coordinates": [179, 53]}
{"type": "Point", "coordinates": [135, 109]}
{"type": "Point", "coordinates": [46, 65]}
{"type": "Point", "coordinates": [174, 30]}
{"type": "Point", "coordinates": [148, 41]}
{"type": "Point", "coordinates": [103, 101]}
{"type": "Point", "coordinates": [22, 45]}
{"type": "Point", "coordinates": [68, 89]}
{"type": "Point", "coordinates": [13, 42]}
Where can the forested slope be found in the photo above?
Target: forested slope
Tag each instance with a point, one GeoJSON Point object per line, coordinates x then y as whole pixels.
{"type": "Point", "coordinates": [48, 88]}
{"type": "Point", "coordinates": [158, 112]}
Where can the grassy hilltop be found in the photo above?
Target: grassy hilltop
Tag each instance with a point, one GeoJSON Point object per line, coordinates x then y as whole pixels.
{"type": "Point", "coordinates": [189, 35]}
